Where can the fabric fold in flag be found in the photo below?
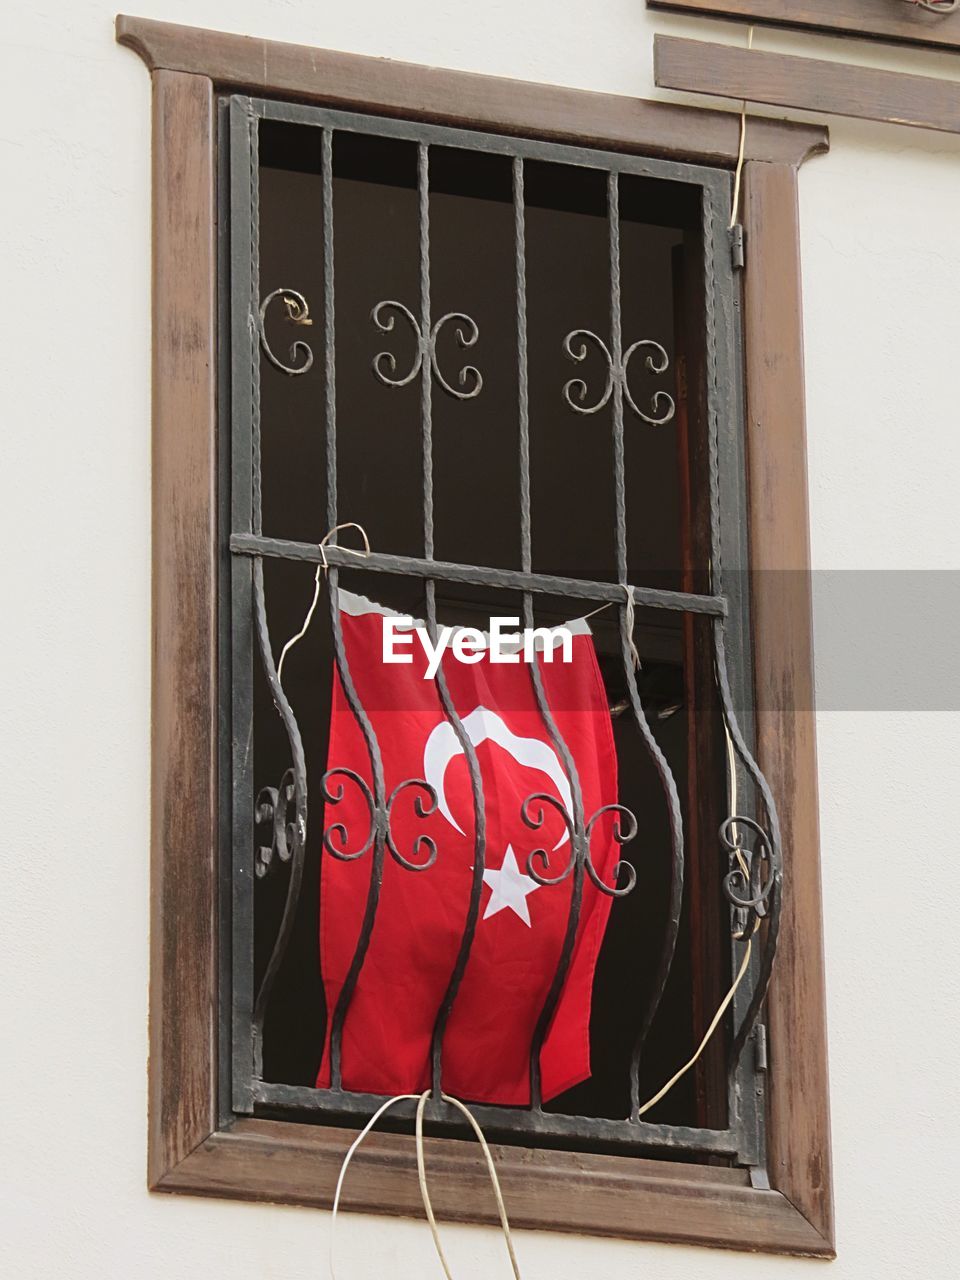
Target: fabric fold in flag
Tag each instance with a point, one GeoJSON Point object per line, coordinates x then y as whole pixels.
{"type": "Point", "coordinates": [422, 915]}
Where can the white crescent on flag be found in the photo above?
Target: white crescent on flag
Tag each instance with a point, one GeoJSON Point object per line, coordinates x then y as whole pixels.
{"type": "Point", "coordinates": [483, 725]}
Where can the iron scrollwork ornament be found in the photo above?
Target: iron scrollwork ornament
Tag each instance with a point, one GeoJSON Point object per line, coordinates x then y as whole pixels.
{"type": "Point", "coordinates": [749, 883]}
{"type": "Point", "coordinates": [336, 838]}
{"type": "Point", "coordinates": [936, 6]}
{"type": "Point", "coordinates": [298, 312]}
{"type": "Point", "coordinates": [424, 804]}
{"type": "Point", "coordinates": [575, 391]}
{"type": "Point", "coordinates": [281, 810]}
{"type": "Point", "coordinates": [625, 827]}
{"type": "Point", "coordinates": [384, 363]}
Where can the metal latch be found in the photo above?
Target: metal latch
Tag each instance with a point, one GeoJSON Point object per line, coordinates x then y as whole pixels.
{"type": "Point", "coordinates": [736, 247]}
{"type": "Point", "coordinates": [760, 1048]}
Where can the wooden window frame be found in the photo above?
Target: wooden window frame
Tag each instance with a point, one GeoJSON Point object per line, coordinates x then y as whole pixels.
{"type": "Point", "coordinates": [196, 1145]}
{"type": "Point", "coordinates": [890, 20]}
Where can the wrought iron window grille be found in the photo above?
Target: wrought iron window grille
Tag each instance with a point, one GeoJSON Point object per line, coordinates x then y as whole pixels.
{"type": "Point", "coordinates": [268, 829]}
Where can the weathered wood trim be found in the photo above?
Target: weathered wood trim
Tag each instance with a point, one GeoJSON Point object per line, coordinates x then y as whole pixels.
{"type": "Point", "coordinates": [869, 19]}
{"type": "Point", "coordinates": [550, 1190]}
{"type": "Point", "coordinates": [183, 959]}
{"type": "Point", "coordinates": [781, 607]}
{"type": "Point", "coordinates": [809, 84]}
{"type": "Point", "coordinates": [462, 98]}
{"type": "Point", "coordinates": [270, 1160]}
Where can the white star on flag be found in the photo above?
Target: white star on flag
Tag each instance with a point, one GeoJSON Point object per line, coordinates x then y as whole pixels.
{"type": "Point", "coordinates": [510, 888]}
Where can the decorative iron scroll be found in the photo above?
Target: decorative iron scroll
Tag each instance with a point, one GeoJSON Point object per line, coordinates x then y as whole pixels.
{"type": "Point", "coordinates": [336, 833]}
{"type": "Point", "coordinates": [278, 809]}
{"type": "Point", "coordinates": [298, 312]}
{"type": "Point", "coordinates": [575, 391]}
{"type": "Point", "coordinates": [753, 882]}
{"type": "Point", "coordinates": [385, 363]}
{"type": "Point", "coordinates": [936, 6]}
{"type": "Point", "coordinates": [625, 827]}
{"type": "Point", "coordinates": [749, 884]}
{"type": "Point", "coordinates": [336, 837]}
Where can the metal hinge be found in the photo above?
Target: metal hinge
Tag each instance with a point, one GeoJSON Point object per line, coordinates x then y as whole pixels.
{"type": "Point", "coordinates": [760, 1048]}
{"type": "Point", "coordinates": [737, 252]}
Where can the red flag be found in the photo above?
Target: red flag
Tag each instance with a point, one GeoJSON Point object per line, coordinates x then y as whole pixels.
{"type": "Point", "coordinates": [422, 914]}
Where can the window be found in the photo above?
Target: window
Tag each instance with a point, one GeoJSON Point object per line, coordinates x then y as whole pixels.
{"type": "Point", "coordinates": [234, 961]}
{"type": "Point", "coordinates": [545, 495]}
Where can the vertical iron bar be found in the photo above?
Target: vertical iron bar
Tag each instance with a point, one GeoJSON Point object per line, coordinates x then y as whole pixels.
{"type": "Point", "coordinates": [339, 649]}
{"type": "Point", "coordinates": [726, 467]}
{"type": "Point", "coordinates": [426, 385]}
{"type": "Point", "coordinates": [299, 827]}
{"type": "Point", "coordinates": [330, 433]}
{"type": "Point", "coordinates": [297, 839]}
{"type": "Point", "coordinates": [667, 781]}
{"type": "Point", "coordinates": [740, 1105]}
{"type": "Point", "coordinates": [579, 853]}
{"type": "Point", "coordinates": [244, 270]}
{"type": "Point", "coordinates": [523, 371]}
{"type": "Point", "coordinates": [329, 330]}
{"type": "Point", "coordinates": [616, 351]}
{"type": "Point", "coordinates": [225, 363]}
{"type": "Point", "coordinates": [380, 822]}
{"type": "Point", "coordinates": [443, 692]}
{"type": "Point", "coordinates": [578, 838]}
{"type": "Point", "coordinates": [479, 852]}
{"type": "Point", "coordinates": [255, 444]}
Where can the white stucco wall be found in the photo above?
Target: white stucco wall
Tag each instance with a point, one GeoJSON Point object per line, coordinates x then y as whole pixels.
{"type": "Point", "coordinates": [882, 279]}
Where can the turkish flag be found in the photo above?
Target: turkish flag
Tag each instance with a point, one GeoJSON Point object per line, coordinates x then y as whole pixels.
{"type": "Point", "coordinates": [421, 915]}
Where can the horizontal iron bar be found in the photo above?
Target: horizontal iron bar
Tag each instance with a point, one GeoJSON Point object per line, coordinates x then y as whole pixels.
{"type": "Point", "coordinates": [249, 544]}
{"type": "Point", "coordinates": [629, 1134]}
{"type": "Point", "coordinates": [491, 143]}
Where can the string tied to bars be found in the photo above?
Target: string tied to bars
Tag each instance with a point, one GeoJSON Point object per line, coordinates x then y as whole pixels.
{"type": "Point", "coordinates": [630, 621]}
{"type": "Point", "coordinates": [322, 567]}
{"type": "Point", "coordinates": [421, 1101]}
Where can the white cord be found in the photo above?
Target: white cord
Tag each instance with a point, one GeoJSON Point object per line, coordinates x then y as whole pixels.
{"type": "Point", "coordinates": [421, 1101]}
{"type": "Point", "coordinates": [735, 210]}
{"type": "Point", "coordinates": [422, 1171]}
{"type": "Point", "coordinates": [403, 1097]}
{"type": "Point", "coordinates": [321, 568]}
{"type": "Point", "coordinates": [724, 1005]}
{"type": "Point", "coordinates": [744, 963]}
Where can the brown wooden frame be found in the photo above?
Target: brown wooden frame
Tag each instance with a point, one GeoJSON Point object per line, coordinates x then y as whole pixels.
{"type": "Point", "coordinates": [812, 84]}
{"type": "Point", "coordinates": [192, 1148]}
{"type": "Point", "coordinates": [870, 19]}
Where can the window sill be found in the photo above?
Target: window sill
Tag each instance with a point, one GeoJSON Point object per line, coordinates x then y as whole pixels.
{"type": "Point", "coordinates": [269, 1160]}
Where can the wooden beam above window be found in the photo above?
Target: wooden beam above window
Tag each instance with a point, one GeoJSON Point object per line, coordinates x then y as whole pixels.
{"type": "Point", "coordinates": [464, 99]}
{"type": "Point", "coordinates": [837, 88]}
{"type": "Point", "coordinates": [872, 19]}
